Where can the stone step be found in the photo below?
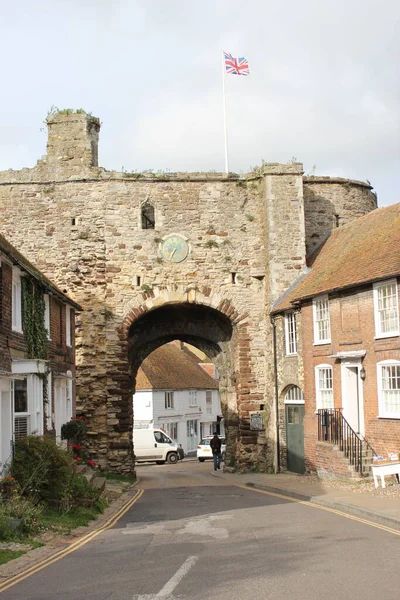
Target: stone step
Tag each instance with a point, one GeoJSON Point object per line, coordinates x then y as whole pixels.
{"type": "Point", "coordinates": [99, 483]}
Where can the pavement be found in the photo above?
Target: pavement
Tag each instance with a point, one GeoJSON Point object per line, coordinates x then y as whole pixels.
{"type": "Point", "coordinates": [364, 505]}
{"type": "Point", "coordinates": [188, 534]}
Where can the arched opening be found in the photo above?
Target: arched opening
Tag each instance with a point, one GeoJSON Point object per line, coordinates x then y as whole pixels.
{"type": "Point", "coordinates": [177, 393]}
{"type": "Point", "coordinates": [294, 415]}
{"type": "Point", "coordinates": [203, 328]}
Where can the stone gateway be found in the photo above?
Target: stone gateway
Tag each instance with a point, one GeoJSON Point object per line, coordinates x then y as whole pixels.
{"type": "Point", "coordinates": [198, 257]}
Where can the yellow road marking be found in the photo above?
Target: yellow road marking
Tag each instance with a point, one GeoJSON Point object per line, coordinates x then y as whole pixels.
{"type": "Point", "coordinates": [319, 507]}
{"type": "Point", "coordinates": [72, 547]}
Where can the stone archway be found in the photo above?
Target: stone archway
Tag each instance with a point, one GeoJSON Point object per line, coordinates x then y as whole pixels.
{"type": "Point", "coordinates": [209, 323]}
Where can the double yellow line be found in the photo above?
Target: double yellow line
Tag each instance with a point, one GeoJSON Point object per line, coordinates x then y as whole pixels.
{"type": "Point", "coordinates": [72, 547]}
{"type": "Point", "coordinates": [320, 507]}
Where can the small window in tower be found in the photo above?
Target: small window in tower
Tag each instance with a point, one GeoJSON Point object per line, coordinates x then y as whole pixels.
{"type": "Point", "coordinates": [73, 221]}
{"type": "Point", "coordinates": [148, 216]}
{"type": "Point", "coordinates": [138, 280]}
{"type": "Point", "coordinates": [233, 278]}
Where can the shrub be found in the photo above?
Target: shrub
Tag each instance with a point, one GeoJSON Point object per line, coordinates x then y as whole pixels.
{"type": "Point", "coordinates": [41, 468]}
{"type": "Point", "coordinates": [25, 509]}
{"type": "Point", "coordinates": [75, 430]}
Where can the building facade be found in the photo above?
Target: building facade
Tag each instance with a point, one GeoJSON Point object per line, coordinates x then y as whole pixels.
{"type": "Point", "coordinates": [37, 352]}
{"type": "Point", "coordinates": [175, 392]}
{"type": "Point", "coordinates": [339, 347]}
{"type": "Point", "coordinates": [152, 257]}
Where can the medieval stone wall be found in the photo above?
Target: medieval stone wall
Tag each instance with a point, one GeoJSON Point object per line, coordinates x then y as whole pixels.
{"type": "Point", "coordinates": [81, 225]}
{"type": "Point", "coordinates": [331, 202]}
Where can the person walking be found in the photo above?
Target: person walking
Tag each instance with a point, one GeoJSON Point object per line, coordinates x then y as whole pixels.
{"type": "Point", "coordinates": [215, 444]}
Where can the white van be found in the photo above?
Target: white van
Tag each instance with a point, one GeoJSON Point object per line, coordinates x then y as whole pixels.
{"type": "Point", "coordinates": [153, 445]}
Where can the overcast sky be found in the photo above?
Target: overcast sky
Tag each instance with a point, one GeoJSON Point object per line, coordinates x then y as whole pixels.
{"type": "Point", "coordinates": [324, 84]}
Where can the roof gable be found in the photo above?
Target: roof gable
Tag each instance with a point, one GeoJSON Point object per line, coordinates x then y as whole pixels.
{"type": "Point", "coordinates": [363, 251]}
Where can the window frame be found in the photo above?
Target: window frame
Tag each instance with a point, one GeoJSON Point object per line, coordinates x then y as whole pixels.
{"type": "Point", "coordinates": [47, 321]}
{"type": "Point", "coordinates": [16, 301]}
{"type": "Point", "coordinates": [290, 333]}
{"type": "Point", "coordinates": [382, 414]}
{"type": "Point", "coordinates": [169, 400]}
{"type": "Point", "coordinates": [68, 333]}
{"type": "Point", "coordinates": [318, 404]}
{"type": "Point", "coordinates": [316, 301]}
{"type": "Point", "coordinates": [192, 398]}
{"type": "Point", "coordinates": [377, 321]}
{"type": "Point", "coordinates": [299, 400]}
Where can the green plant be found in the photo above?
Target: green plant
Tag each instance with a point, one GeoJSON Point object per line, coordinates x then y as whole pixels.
{"type": "Point", "coordinates": [211, 244]}
{"type": "Point", "coordinates": [35, 331]}
{"type": "Point", "coordinates": [75, 430]}
{"type": "Point", "coordinates": [7, 555]}
{"type": "Point", "coordinates": [78, 492]}
{"type": "Point", "coordinates": [146, 288]}
{"type": "Point", "coordinates": [250, 218]}
{"type": "Point", "coordinates": [26, 510]}
{"type": "Point", "coordinates": [119, 477]}
{"type": "Point", "coordinates": [83, 235]}
{"type": "Point", "coordinates": [41, 468]}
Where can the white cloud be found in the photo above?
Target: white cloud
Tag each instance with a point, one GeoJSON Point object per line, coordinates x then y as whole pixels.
{"type": "Point", "coordinates": [324, 83]}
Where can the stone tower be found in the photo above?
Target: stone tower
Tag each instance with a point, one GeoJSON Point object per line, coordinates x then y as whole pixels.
{"type": "Point", "coordinates": [111, 240]}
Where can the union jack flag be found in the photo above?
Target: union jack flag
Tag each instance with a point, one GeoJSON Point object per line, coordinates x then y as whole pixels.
{"type": "Point", "coordinates": [236, 66]}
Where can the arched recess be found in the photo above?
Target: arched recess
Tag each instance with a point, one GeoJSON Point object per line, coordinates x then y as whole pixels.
{"type": "Point", "coordinates": [207, 322]}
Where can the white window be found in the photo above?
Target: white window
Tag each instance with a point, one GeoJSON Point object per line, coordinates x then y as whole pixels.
{"type": "Point", "coordinates": [324, 386]}
{"type": "Point", "coordinates": [68, 325]}
{"type": "Point", "coordinates": [322, 328]}
{"type": "Point", "coordinates": [47, 314]}
{"type": "Point", "coordinates": [290, 333]}
{"type": "Point", "coordinates": [21, 409]}
{"type": "Point", "coordinates": [294, 395]}
{"type": "Point", "coordinates": [386, 309]}
{"type": "Point", "coordinates": [171, 429]}
{"type": "Point", "coordinates": [389, 388]}
{"type": "Point", "coordinates": [192, 398]}
{"type": "Point", "coordinates": [169, 399]}
{"type": "Point", "coordinates": [16, 302]}
{"type": "Point", "coordinates": [209, 402]}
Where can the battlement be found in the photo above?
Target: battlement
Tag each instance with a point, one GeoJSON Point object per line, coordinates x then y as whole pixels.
{"type": "Point", "coordinates": [73, 139]}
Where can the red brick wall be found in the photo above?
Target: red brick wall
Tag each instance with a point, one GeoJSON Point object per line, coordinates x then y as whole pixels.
{"type": "Point", "coordinates": [329, 462]}
{"type": "Point", "coordinates": [352, 328]}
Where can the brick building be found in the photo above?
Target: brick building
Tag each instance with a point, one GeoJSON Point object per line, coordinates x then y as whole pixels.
{"type": "Point", "coordinates": [37, 351]}
{"type": "Point", "coordinates": [338, 329]}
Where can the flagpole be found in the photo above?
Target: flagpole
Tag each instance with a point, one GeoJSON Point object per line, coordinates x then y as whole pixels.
{"type": "Point", "coordinates": [224, 105]}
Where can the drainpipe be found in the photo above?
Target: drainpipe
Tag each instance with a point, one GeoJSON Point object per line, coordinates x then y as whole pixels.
{"type": "Point", "coordinates": [278, 445]}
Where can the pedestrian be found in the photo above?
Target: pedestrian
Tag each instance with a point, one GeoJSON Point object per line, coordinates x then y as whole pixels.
{"type": "Point", "coordinates": [215, 444]}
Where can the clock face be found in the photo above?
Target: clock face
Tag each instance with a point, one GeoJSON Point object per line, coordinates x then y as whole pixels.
{"type": "Point", "coordinates": [174, 248]}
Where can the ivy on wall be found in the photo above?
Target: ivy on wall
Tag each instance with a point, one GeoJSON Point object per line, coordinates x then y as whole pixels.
{"type": "Point", "coordinates": [33, 311]}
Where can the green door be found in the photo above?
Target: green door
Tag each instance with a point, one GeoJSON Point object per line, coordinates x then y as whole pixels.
{"type": "Point", "coordinates": [295, 437]}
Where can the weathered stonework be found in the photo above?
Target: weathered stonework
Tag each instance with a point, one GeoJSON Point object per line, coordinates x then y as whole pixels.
{"type": "Point", "coordinates": [81, 225]}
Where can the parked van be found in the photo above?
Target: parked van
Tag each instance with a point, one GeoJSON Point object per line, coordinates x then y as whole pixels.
{"type": "Point", "coordinates": [153, 445]}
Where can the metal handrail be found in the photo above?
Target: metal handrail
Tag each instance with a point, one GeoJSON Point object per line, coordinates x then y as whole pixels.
{"type": "Point", "coordinates": [333, 428]}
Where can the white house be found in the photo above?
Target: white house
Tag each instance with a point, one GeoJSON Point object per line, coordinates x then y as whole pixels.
{"type": "Point", "coordinates": [176, 392]}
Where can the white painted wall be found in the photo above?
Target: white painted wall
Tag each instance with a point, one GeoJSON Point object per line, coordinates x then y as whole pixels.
{"type": "Point", "coordinates": [149, 407]}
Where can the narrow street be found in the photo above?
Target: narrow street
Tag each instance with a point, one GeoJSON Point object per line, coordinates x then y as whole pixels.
{"type": "Point", "coordinates": [192, 535]}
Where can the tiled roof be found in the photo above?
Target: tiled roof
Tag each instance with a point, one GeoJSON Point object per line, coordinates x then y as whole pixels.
{"type": "Point", "coordinates": [171, 367]}
{"type": "Point", "coordinates": [365, 250]}
{"type": "Point", "coordinates": [16, 258]}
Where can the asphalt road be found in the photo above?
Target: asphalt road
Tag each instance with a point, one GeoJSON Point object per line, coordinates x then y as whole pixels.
{"type": "Point", "coordinates": [191, 535]}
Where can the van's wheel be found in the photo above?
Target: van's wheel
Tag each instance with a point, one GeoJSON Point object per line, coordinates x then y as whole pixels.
{"type": "Point", "coordinates": [172, 458]}
{"type": "Point", "coordinates": [160, 462]}
{"type": "Point", "coordinates": [202, 459]}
